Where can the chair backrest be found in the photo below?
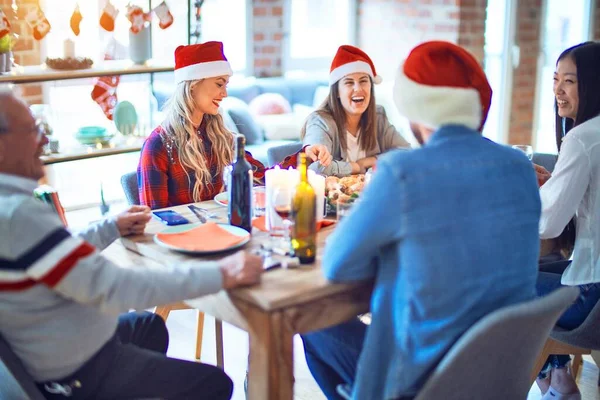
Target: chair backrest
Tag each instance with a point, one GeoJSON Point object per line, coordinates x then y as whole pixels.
{"type": "Point", "coordinates": [494, 358]}
{"type": "Point", "coordinates": [20, 385]}
{"type": "Point", "coordinates": [585, 335]}
{"type": "Point", "coordinates": [130, 187]}
{"type": "Point", "coordinates": [277, 154]}
{"type": "Point", "coordinates": [546, 160]}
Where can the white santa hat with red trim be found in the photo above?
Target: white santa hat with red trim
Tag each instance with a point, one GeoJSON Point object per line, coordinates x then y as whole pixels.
{"type": "Point", "coordinates": [349, 60]}
{"type": "Point", "coordinates": [441, 83]}
{"type": "Point", "coordinates": [199, 61]}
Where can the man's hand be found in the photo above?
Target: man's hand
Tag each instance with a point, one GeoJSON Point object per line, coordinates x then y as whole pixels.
{"type": "Point", "coordinates": [133, 221]}
{"type": "Point", "coordinates": [241, 269]}
{"type": "Point", "coordinates": [542, 174]}
{"type": "Point", "coordinates": [318, 152]}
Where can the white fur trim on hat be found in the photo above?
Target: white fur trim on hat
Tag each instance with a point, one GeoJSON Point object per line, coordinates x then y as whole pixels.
{"type": "Point", "coordinates": [351, 68]}
{"type": "Point", "coordinates": [435, 106]}
{"type": "Point", "coordinates": [203, 70]}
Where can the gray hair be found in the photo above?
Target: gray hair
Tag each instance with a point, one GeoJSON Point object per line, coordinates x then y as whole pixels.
{"type": "Point", "coordinates": [6, 92]}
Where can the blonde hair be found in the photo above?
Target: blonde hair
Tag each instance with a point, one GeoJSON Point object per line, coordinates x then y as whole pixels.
{"type": "Point", "coordinates": [190, 149]}
{"type": "Point", "coordinates": [332, 107]}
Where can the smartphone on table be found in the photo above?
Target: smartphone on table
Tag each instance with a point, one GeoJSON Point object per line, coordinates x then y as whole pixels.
{"type": "Point", "coordinates": [170, 217]}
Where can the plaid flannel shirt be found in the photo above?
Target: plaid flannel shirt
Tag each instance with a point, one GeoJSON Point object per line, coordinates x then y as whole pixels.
{"type": "Point", "coordinates": [163, 181]}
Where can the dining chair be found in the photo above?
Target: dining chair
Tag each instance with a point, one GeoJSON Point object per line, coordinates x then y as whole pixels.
{"type": "Point", "coordinates": [130, 187]}
{"type": "Point", "coordinates": [501, 347]}
{"type": "Point", "coordinates": [579, 341]}
{"type": "Point", "coordinates": [277, 154]}
{"type": "Point", "coordinates": [546, 160]}
{"type": "Point", "coordinates": [16, 381]}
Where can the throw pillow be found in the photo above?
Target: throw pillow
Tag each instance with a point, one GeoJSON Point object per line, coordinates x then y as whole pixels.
{"type": "Point", "coordinates": [240, 114]}
{"type": "Point", "coordinates": [270, 104]}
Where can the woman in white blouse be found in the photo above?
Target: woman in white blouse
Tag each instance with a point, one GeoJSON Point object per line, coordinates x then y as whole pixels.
{"type": "Point", "coordinates": [349, 123]}
{"type": "Point", "coordinates": [573, 190]}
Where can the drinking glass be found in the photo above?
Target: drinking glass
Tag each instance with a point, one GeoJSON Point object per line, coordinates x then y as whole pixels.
{"type": "Point", "coordinates": [281, 202]}
{"type": "Point", "coordinates": [226, 177]}
{"type": "Point", "coordinates": [259, 200]}
{"type": "Point", "coordinates": [343, 210]}
{"type": "Point", "coordinates": [525, 148]}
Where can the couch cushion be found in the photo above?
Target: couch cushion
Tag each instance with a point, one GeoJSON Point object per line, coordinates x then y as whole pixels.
{"type": "Point", "coordinates": [240, 113]}
{"type": "Point", "coordinates": [228, 121]}
{"type": "Point", "coordinates": [269, 104]}
{"type": "Point", "coordinates": [243, 91]}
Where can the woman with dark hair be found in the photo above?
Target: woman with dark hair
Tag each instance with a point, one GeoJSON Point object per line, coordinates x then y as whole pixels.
{"type": "Point", "coordinates": [349, 123]}
{"type": "Point", "coordinates": [571, 200]}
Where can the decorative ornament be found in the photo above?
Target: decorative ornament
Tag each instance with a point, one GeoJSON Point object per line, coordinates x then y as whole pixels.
{"type": "Point", "coordinates": [198, 27]}
{"type": "Point", "coordinates": [107, 19]}
{"type": "Point", "coordinates": [164, 15]}
{"type": "Point", "coordinates": [137, 17]}
{"type": "Point", "coordinates": [4, 25]}
{"type": "Point", "coordinates": [38, 22]}
{"type": "Point", "coordinates": [76, 18]}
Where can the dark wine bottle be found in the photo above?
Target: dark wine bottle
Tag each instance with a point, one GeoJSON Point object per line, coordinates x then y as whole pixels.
{"type": "Point", "coordinates": [304, 209]}
{"type": "Point", "coordinates": [240, 188]}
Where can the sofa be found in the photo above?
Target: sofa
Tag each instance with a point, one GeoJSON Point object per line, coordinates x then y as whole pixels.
{"type": "Point", "coordinates": [264, 130]}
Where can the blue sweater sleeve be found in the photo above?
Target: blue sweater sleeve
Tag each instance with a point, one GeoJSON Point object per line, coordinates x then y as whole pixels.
{"type": "Point", "coordinates": [352, 250]}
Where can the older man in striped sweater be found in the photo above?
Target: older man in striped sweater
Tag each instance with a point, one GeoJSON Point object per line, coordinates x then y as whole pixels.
{"type": "Point", "coordinates": [61, 300]}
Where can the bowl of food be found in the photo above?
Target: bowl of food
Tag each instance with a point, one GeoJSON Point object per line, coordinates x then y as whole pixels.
{"type": "Point", "coordinates": [342, 190]}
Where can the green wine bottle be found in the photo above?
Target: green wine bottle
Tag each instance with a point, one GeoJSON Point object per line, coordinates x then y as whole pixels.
{"type": "Point", "coordinates": [304, 206]}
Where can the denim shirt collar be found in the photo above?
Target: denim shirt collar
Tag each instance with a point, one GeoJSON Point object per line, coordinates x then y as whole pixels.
{"type": "Point", "coordinates": [451, 132]}
{"type": "Point", "coordinates": [18, 184]}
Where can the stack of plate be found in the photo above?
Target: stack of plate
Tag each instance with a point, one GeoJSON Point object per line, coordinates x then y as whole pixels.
{"type": "Point", "coordinates": [92, 135]}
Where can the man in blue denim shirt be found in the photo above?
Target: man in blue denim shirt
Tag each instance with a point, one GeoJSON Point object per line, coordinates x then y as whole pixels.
{"type": "Point", "coordinates": [448, 232]}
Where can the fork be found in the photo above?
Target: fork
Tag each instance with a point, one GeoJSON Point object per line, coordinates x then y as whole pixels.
{"type": "Point", "coordinates": [208, 213]}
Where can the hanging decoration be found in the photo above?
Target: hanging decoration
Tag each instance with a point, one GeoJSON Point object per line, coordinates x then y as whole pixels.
{"type": "Point", "coordinates": [4, 25]}
{"type": "Point", "coordinates": [164, 15]}
{"type": "Point", "coordinates": [36, 19]}
{"type": "Point", "coordinates": [138, 18]}
{"type": "Point", "coordinates": [76, 18]}
{"type": "Point", "coordinates": [105, 94]}
{"type": "Point", "coordinates": [109, 14]}
{"type": "Point", "coordinates": [196, 35]}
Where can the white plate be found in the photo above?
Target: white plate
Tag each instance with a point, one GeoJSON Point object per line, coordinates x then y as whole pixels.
{"type": "Point", "coordinates": [184, 228]}
{"type": "Point", "coordinates": [222, 199]}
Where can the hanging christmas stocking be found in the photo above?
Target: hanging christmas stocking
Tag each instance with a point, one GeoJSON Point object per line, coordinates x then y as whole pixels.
{"type": "Point", "coordinates": [105, 94]}
{"type": "Point", "coordinates": [38, 22]}
{"type": "Point", "coordinates": [109, 14]}
{"type": "Point", "coordinates": [164, 15]}
{"type": "Point", "coordinates": [4, 25]}
{"type": "Point", "coordinates": [76, 18]}
{"type": "Point", "coordinates": [137, 17]}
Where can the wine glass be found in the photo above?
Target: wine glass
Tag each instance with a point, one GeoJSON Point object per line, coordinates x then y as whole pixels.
{"type": "Point", "coordinates": [226, 177]}
{"type": "Point", "coordinates": [281, 202]}
{"type": "Point", "coordinates": [525, 148]}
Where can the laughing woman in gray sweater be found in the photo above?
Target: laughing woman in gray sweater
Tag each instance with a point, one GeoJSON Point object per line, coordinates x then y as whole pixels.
{"type": "Point", "coordinates": [349, 123]}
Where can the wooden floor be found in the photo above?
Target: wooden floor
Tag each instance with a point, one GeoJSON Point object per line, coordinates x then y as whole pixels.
{"type": "Point", "coordinates": [182, 325]}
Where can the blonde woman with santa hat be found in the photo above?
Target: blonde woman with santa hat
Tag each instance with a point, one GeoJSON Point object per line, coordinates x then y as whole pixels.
{"type": "Point", "coordinates": [182, 160]}
{"type": "Point", "coordinates": [431, 230]}
{"type": "Point", "coordinates": [349, 123]}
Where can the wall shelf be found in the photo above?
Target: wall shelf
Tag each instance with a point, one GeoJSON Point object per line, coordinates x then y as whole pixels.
{"type": "Point", "coordinates": [42, 73]}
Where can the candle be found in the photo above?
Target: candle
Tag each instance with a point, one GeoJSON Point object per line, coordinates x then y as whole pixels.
{"type": "Point", "coordinates": [69, 49]}
{"type": "Point", "coordinates": [318, 184]}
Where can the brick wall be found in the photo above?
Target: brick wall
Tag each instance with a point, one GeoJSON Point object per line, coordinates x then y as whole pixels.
{"type": "Point", "coordinates": [267, 21]}
{"type": "Point", "coordinates": [389, 29]}
{"type": "Point", "coordinates": [26, 50]}
{"type": "Point", "coordinates": [471, 22]}
{"type": "Point", "coordinates": [528, 33]}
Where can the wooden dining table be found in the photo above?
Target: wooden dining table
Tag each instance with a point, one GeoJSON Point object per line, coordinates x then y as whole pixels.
{"type": "Point", "coordinates": [285, 302]}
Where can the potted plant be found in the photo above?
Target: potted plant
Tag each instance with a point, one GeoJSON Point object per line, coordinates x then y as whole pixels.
{"type": "Point", "coordinates": [6, 45]}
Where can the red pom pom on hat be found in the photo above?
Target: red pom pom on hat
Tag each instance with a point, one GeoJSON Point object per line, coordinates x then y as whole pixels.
{"type": "Point", "coordinates": [349, 60]}
{"type": "Point", "coordinates": [441, 83]}
{"type": "Point", "coordinates": [199, 61]}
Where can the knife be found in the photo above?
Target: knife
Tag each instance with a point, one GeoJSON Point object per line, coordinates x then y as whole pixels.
{"type": "Point", "coordinates": [197, 213]}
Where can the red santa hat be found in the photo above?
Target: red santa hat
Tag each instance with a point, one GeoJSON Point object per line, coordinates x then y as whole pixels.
{"type": "Point", "coordinates": [199, 61]}
{"type": "Point", "coordinates": [349, 60]}
{"type": "Point", "coordinates": [441, 83]}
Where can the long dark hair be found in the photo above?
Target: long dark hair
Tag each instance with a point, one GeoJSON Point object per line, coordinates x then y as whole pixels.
{"type": "Point", "coordinates": [586, 57]}
{"type": "Point", "coordinates": [332, 106]}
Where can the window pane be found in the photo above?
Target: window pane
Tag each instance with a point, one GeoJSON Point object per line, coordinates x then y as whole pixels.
{"type": "Point", "coordinates": [562, 29]}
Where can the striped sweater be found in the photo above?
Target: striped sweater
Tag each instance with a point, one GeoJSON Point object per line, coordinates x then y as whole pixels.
{"type": "Point", "coordinates": [59, 297]}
